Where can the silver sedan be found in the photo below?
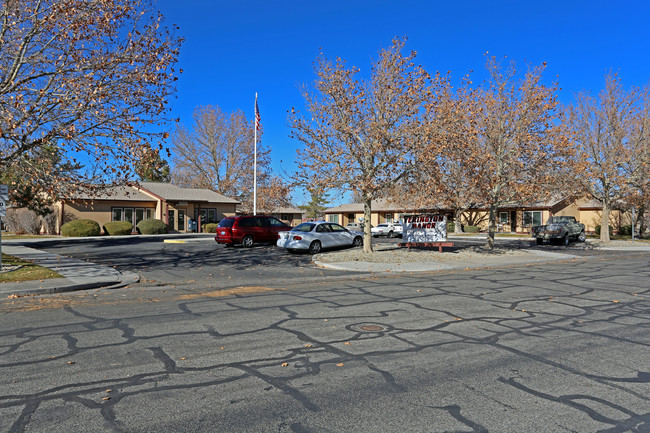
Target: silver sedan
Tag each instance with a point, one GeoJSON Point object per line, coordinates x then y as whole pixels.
{"type": "Point", "coordinates": [314, 236]}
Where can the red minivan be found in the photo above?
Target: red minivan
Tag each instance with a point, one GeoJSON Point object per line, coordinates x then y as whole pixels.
{"type": "Point", "coordinates": [249, 229]}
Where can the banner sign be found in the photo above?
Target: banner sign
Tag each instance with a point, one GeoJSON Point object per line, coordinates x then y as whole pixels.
{"type": "Point", "coordinates": [425, 228]}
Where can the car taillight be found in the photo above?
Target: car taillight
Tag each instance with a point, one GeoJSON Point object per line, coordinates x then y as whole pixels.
{"type": "Point", "coordinates": [297, 238]}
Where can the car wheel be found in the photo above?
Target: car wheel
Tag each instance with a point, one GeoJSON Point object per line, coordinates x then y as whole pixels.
{"type": "Point", "coordinates": [390, 234]}
{"type": "Point", "coordinates": [565, 240]}
{"type": "Point", "coordinates": [247, 241]}
{"type": "Point", "coordinates": [357, 241]}
{"type": "Point", "coordinates": [539, 241]}
{"type": "Point", "coordinates": [315, 247]}
{"type": "Point", "coordinates": [582, 237]}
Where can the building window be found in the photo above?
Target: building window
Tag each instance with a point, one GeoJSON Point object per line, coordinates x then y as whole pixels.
{"type": "Point", "coordinates": [212, 216]}
{"type": "Point", "coordinates": [503, 217]}
{"type": "Point", "coordinates": [532, 218]}
{"type": "Point", "coordinates": [149, 214]}
{"type": "Point", "coordinates": [128, 215]}
{"type": "Point", "coordinates": [333, 218]}
{"type": "Point", "coordinates": [139, 215]}
{"type": "Point", "coordinates": [116, 214]}
{"type": "Point", "coordinates": [389, 217]}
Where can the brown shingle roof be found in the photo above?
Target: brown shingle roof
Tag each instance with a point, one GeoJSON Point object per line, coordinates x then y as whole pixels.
{"type": "Point", "coordinates": [120, 193]}
{"type": "Point", "coordinates": [172, 192]}
{"type": "Point", "coordinates": [288, 210]}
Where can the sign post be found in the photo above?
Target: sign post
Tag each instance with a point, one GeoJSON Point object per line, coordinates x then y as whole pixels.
{"type": "Point", "coordinates": [4, 198]}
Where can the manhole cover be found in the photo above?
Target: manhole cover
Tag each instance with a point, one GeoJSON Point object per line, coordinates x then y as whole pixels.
{"type": "Point", "coordinates": [369, 327]}
{"type": "Point", "coordinates": [372, 328]}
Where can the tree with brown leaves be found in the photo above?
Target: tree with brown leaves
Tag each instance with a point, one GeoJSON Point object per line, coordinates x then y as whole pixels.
{"type": "Point", "coordinates": [88, 80]}
{"type": "Point", "coordinates": [358, 132]}
{"type": "Point", "coordinates": [217, 153]}
{"type": "Point", "coordinates": [520, 143]}
{"type": "Point", "coordinates": [610, 134]}
{"type": "Point", "coordinates": [447, 164]}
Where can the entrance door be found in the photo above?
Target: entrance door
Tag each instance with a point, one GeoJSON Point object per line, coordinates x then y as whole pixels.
{"type": "Point", "coordinates": [181, 220]}
{"type": "Point", "coordinates": [171, 218]}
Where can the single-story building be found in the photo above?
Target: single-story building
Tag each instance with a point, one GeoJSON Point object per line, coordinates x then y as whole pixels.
{"type": "Point", "coordinates": [182, 209]}
{"type": "Point", "coordinates": [290, 215]}
{"type": "Point", "coordinates": [513, 218]}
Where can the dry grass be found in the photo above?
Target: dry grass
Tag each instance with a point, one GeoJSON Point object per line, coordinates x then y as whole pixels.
{"type": "Point", "coordinates": [27, 272]}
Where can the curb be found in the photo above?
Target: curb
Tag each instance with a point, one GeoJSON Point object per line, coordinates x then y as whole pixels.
{"type": "Point", "coordinates": [488, 262]}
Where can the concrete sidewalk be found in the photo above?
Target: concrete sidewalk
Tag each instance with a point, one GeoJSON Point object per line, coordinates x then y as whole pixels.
{"type": "Point", "coordinates": [77, 274]}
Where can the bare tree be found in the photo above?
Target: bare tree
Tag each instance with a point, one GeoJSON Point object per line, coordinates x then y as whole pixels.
{"type": "Point", "coordinates": [610, 133]}
{"type": "Point", "coordinates": [358, 132]}
{"type": "Point", "coordinates": [89, 80]}
{"type": "Point", "coordinates": [218, 152]}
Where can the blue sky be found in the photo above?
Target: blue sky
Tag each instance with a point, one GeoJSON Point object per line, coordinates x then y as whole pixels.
{"type": "Point", "coordinates": [233, 49]}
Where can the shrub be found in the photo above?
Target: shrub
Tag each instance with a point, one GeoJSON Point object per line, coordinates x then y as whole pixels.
{"type": "Point", "coordinates": [597, 230]}
{"type": "Point", "coordinates": [450, 227]}
{"type": "Point", "coordinates": [118, 228]}
{"type": "Point", "coordinates": [210, 228]}
{"type": "Point", "coordinates": [152, 227]}
{"type": "Point", "coordinates": [472, 229]}
{"type": "Point", "coordinates": [625, 230]}
{"type": "Point", "coordinates": [22, 221]}
{"type": "Point", "coordinates": [79, 228]}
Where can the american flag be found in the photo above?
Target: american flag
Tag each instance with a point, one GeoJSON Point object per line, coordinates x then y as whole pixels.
{"type": "Point", "coordinates": [258, 123]}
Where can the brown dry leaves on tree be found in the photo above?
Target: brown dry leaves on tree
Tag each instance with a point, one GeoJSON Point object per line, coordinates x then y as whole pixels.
{"type": "Point", "coordinates": [498, 143]}
{"type": "Point", "coordinates": [610, 133]}
{"type": "Point", "coordinates": [446, 167]}
{"type": "Point", "coordinates": [520, 143]}
{"type": "Point", "coordinates": [89, 79]}
{"type": "Point", "coordinates": [357, 133]}
{"type": "Point", "coordinates": [218, 152]}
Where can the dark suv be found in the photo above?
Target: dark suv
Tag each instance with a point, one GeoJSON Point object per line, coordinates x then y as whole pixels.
{"type": "Point", "coordinates": [249, 229]}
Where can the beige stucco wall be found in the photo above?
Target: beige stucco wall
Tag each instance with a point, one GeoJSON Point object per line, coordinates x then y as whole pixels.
{"type": "Point", "coordinates": [99, 211]}
{"type": "Point", "coordinates": [593, 217]}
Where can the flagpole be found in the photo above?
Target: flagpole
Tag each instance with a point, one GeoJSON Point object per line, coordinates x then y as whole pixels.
{"type": "Point", "coordinates": [255, 161]}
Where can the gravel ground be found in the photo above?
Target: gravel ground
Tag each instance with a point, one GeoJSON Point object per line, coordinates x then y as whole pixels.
{"type": "Point", "coordinates": [395, 254]}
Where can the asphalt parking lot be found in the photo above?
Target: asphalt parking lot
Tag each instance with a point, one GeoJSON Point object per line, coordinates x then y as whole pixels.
{"type": "Point", "coordinates": [200, 261]}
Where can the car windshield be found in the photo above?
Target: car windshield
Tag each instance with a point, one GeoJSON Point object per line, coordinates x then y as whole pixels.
{"type": "Point", "coordinates": [227, 222]}
{"type": "Point", "coordinates": [559, 220]}
{"type": "Point", "coordinates": [382, 225]}
{"type": "Point", "coordinates": [304, 227]}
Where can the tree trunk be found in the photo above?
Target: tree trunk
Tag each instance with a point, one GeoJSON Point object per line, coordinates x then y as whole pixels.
{"type": "Point", "coordinates": [458, 228]}
{"type": "Point", "coordinates": [492, 226]}
{"type": "Point", "coordinates": [367, 235]}
{"type": "Point", "coordinates": [640, 219]}
{"type": "Point", "coordinates": [604, 223]}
